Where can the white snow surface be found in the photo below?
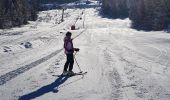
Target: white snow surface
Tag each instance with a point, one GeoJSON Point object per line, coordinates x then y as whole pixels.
{"type": "Point", "coordinates": [122, 63]}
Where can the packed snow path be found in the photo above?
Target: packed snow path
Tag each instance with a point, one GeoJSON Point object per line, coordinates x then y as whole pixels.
{"type": "Point", "coordinates": [122, 63]}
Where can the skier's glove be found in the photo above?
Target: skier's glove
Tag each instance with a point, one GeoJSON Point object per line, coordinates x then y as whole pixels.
{"type": "Point", "coordinates": [76, 49]}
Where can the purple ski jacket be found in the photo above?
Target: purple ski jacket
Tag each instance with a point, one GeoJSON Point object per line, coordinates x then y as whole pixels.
{"type": "Point", "coordinates": [68, 45]}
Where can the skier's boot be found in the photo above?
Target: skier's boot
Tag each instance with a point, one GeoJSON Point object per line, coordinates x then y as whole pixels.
{"type": "Point", "coordinates": [64, 73]}
{"type": "Point", "coordinates": [70, 73]}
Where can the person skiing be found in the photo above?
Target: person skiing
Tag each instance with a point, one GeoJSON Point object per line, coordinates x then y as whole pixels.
{"type": "Point", "coordinates": [69, 50]}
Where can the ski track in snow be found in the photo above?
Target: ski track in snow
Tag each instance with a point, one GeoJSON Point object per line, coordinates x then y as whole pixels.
{"type": "Point", "coordinates": [10, 75]}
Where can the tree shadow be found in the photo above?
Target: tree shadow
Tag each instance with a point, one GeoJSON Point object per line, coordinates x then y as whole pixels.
{"type": "Point", "coordinates": [53, 87]}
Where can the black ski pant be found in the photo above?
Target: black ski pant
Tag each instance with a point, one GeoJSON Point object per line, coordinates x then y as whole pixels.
{"type": "Point", "coordinates": [69, 62]}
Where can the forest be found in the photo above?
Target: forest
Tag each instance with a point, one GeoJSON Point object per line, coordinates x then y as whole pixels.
{"type": "Point", "coordinates": [18, 12]}
{"type": "Point", "coordinates": [145, 14]}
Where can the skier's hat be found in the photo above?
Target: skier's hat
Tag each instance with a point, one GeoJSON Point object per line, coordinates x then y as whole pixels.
{"type": "Point", "coordinates": [68, 33]}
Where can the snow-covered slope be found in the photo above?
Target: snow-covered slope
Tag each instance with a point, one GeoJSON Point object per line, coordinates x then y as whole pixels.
{"type": "Point", "coordinates": [122, 63]}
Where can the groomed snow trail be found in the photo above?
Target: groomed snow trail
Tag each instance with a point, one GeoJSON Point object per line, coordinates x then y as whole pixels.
{"type": "Point", "coordinates": [122, 63]}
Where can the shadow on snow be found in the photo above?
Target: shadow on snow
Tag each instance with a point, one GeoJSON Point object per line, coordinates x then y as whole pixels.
{"type": "Point", "coordinates": [53, 87]}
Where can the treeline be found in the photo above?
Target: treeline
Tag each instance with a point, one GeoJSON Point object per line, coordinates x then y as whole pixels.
{"type": "Point", "coordinates": [115, 8]}
{"type": "Point", "coordinates": [17, 12]}
{"type": "Point", "coordinates": [145, 14]}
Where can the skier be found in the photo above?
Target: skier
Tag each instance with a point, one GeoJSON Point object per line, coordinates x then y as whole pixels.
{"type": "Point", "coordinates": [69, 50]}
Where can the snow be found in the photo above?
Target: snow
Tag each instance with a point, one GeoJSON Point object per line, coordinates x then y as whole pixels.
{"type": "Point", "coordinates": [122, 63]}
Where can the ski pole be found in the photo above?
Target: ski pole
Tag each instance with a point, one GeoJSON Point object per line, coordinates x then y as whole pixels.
{"type": "Point", "coordinates": [77, 63]}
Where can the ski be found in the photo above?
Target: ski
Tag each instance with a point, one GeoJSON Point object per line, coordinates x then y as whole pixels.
{"type": "Point", "coordinates": [75, 74]}
{"type": "Point", "coordinates": [80, 73]}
